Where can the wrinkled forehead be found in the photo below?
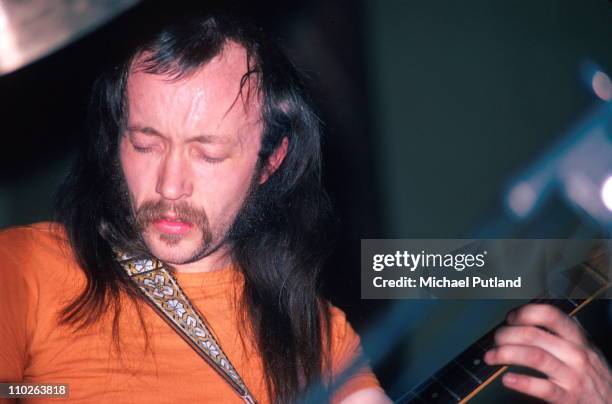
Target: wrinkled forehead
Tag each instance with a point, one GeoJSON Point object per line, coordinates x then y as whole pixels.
{"type": "Point", "coordinates": [219, 92]}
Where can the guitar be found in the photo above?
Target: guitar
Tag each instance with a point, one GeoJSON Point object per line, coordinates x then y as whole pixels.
{"type": "Point", "coordinates": [467, 374]}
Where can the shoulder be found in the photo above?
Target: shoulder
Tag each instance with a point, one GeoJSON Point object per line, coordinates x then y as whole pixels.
{"type": "Point", "coordinates": [27, 239]}
{"type": "Point", "coordinates": [340, 327]}
{"type": "Point", "coordinates": [344, 340]}
{"type": "Point", "coordinates": [38, 254]}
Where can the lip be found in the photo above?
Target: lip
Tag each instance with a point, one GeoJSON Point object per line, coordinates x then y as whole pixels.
{"type": "Point", "coordinates": [170, 226]}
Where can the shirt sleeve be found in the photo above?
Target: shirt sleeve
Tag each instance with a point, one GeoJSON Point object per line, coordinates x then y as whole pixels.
{"type": "Point", "coordinates": [351, 371]}
{"type": "Point", "coordinates": [14, 299]}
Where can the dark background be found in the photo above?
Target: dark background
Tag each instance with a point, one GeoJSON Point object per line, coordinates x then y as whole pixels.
{"type": "Point", "coordinates": [429, 109]}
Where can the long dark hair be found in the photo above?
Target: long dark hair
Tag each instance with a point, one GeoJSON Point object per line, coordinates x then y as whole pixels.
{"type": "Point", "coordinates": [277, 239]}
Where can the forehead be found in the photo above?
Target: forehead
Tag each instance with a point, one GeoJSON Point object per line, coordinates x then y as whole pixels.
{"type": "Point", "coordinates": [209, 99]}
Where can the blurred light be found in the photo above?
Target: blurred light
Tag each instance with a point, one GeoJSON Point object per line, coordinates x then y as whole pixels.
{"type": "Point", "coordinates": [606, 193]}
{"type": "Point", "coordinates": [578, 165]}
{"type": "Point", "coordinates": [9, 49]}
{"type": "Point", "coordinates": [583, 171]}
{"type": "Point", "coordinates": [32, 29]}
{"type": "Point", "coordinates": [602, 86]}
{"type": "Point", "coordinates": [579, 190]}
{"type": "Point", "coordinates": [522, 199]}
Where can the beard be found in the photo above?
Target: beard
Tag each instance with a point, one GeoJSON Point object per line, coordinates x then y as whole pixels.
{"type": "Point", "coordinates": [125, 225]}
{"type": "Point", "coordinates": [152, 211]}
{"type": "Point", "coordinates": [177, 248]}
{"type": "Point", "coordinates": [166, 246]}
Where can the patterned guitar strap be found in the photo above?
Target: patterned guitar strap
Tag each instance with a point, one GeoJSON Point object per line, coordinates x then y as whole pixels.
{"type": "Point", "coordinates": [164, 294]}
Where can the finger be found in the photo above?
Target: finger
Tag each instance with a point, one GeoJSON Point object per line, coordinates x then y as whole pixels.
{"type": "Point", "coordinates": [531, 357]}
{"type": "Point", "coordinates": [535, 386]}
{"type": "Point", "coordinates": [565, 351]}
{"type": "Point", "coordinates": [549, 317]}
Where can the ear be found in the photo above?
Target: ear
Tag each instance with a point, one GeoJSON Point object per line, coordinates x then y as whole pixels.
{"type": "Point", "coordinates": [275, 160]}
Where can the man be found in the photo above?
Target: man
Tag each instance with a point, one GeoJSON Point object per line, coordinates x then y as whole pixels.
{"type": "Point", "coordinates": [204, 156]}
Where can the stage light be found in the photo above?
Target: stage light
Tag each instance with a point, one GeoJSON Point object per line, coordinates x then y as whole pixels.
{"type": "Point", "coordinates": [602, 86]}
{"type": "Point", "coordinates": [522, 199]}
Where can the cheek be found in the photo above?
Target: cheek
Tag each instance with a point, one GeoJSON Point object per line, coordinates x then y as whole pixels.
{"type": "Point", "coordinates": [135, 172]}
{"type": "Point", "coordinates": [223, 190]}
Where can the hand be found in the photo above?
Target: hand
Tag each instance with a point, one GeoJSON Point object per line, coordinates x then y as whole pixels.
{"type": "Point", "coordinates": [543, 338]}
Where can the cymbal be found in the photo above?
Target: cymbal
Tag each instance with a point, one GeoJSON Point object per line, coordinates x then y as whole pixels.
{"type": "Point", "coordinates": [32, 29]}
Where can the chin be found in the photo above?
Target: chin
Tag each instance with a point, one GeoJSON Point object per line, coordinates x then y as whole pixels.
{"type": "Point", "coordinates": [173, 250]}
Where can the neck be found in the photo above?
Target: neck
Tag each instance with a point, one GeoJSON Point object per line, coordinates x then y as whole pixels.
{"type": "Point", "coordinates": [218, 260]}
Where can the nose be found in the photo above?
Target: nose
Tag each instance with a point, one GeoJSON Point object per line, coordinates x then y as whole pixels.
{"type": "Point", "coordinates": [173, 180]}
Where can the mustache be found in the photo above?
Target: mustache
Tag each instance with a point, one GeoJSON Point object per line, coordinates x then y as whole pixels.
{"type": "Point", "coordinates": [152, 211]}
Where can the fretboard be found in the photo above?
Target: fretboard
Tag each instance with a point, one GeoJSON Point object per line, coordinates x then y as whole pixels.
{"type": "Point", "coordinates": [467, 374]}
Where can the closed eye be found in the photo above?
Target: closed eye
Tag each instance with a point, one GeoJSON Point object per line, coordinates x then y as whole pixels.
{"type": "Point", "coordinates": [141, 149]}
{"type": "Point", "coordinates": [213, 160]}
{"type": "Point", "coordinates": [214, 156]}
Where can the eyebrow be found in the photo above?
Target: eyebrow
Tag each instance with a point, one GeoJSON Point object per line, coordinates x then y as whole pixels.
{"type": "Point", "coordinates": [206, 138]}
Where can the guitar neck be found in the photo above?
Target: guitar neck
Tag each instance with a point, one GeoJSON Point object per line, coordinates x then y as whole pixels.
{"type": "Point", "coordinates": [467, 374]}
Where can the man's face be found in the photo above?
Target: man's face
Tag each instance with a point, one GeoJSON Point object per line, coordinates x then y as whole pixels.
{"type": "Point", "coordinates": [189, 155]}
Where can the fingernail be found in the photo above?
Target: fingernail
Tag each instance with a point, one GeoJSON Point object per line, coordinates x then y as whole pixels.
{"type": "Point", "coordinates": [509, 378]}
{"type": "Point", "coordinates": [488, 356]}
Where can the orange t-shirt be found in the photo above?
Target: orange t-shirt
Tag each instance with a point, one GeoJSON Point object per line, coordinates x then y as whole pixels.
{"type": "Point", "coordinates": [38, 276]}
